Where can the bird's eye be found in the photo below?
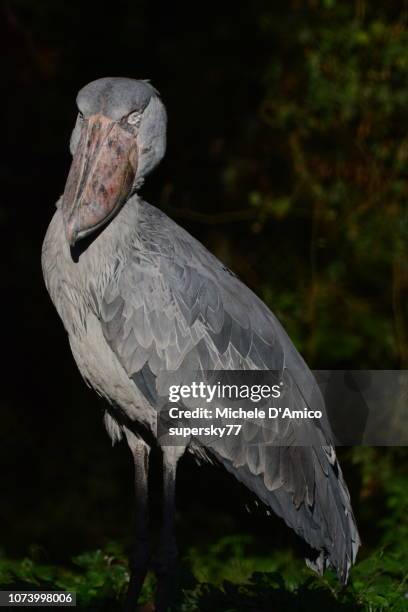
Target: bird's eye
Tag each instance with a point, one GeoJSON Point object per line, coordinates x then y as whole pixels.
{"type": "Point", "coordinates": [134, 118]}
{"type": "Point", "coordinates": [81, 115]}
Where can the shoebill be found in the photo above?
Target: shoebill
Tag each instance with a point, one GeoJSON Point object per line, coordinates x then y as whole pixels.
{"type": "Point", "coordinates": [139, 295]}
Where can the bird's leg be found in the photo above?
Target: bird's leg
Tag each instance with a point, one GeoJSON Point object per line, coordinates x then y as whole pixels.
{"type": "Point", "coordinates": [167, 551]}
{"type": "Point", "coordinates": [140, 555]}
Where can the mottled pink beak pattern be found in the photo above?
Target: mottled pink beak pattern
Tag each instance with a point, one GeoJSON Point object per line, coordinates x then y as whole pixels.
{"type": "Point", "coordinates": [100, 178]}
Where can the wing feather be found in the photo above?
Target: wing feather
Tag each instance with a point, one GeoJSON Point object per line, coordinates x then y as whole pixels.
{"type": "Point", "coordinates": [174, 306]}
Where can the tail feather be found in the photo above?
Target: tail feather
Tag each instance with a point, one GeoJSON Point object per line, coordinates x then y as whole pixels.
{"type": "Point", "coordinates": [323, 516]}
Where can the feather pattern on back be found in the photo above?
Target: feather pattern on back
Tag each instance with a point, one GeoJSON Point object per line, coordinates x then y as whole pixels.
{"type": "Point", "coordinates": [174, 306]}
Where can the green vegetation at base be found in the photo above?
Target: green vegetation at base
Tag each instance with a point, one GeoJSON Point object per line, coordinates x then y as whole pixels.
{"type": "Point", "coordinates": [242, 582]}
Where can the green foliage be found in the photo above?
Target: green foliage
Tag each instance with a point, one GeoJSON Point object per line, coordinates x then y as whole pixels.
{"type": "Point", "coordinates": [242, 582]}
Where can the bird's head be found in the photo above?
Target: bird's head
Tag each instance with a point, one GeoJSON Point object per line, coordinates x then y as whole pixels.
{"type": "Point", "coordinates": [119, 137]}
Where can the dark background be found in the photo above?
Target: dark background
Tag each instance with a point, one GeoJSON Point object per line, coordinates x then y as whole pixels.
{"type": "Point", "coordinates": [287, 156]}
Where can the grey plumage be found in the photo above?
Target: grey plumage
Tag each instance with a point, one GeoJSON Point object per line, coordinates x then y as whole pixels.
{"type": "Point", "coordinates": [145, 297]}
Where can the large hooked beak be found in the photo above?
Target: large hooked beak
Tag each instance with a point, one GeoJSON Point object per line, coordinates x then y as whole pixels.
{"type": "Point", "coordinates": [101, 176]}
